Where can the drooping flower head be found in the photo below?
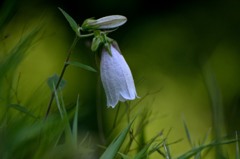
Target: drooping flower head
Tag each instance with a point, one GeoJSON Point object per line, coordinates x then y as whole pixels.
{"type": "Point", "coordinates": [116, 76]}
{"type": "Point", "coordinates": [115, 73]}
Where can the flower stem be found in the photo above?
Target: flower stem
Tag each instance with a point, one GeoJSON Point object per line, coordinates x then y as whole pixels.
{"type": "Point", "coordinates": [62, 73]}
{"type": "Point", "coordinates": [99, 113]}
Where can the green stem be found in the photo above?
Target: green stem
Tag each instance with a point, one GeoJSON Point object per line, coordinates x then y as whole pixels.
{"type": "Point", "coordinates": [62, 73]}
{"type": "Point", "coordinates": [99, 113]}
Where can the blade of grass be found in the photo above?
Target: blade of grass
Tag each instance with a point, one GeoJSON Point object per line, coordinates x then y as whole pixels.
{"type": "Point", "coordinates": [115, 145]}
{"type": "Point", "coordinates": [167, 151]}
{"type": "Point", "coordinates": [237, 147]}
{"type": "Point", "coordinates": [8, 65]}
{"type": "Point", "coordinates": [187, 132]}
{"type": "Point", "coordinates": [58, 102]}
{"type": "Point", "coordinates": [198, 155]}
{"type": "Point", "coordinates": [17, 53]}
{"type": "Point", "coordinates": [68, 132]}
{"type": "Point", "coordinates": [198, 149]}
{"type": "Point", "coordinates": [144, 151]}
{"type": "Point", "coordinates": [159, 145]}
{"type": "Point", "coordinates": [7, 11]}
{"type": "Point", "coordinates": [217, 106]}
{"type": "Point", "coordinates": [75, 122]}
{"type": "Point", "coordinates": [64, 116]}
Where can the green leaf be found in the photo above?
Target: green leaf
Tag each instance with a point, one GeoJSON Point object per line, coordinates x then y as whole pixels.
{"type": "Point", "coordinates": [108, 48]}
{"type": "Point", "coordinates": [53, 80]}
{"type": "Point", "coordinates": [113, 148]}
{"type": "Point", "coordinates": [95, 43]}
{"type": "Point", "coordinates": [71, 21]}
{"type": "Point", "coordinates": [83, 66]}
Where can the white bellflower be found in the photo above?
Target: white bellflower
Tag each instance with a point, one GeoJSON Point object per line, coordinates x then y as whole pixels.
{"type": "Point", "coordinates": [116, 77]}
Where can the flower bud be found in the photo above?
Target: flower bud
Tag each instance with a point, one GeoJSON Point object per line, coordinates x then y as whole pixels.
{"type": "Point", "coordinates": [107, 22]}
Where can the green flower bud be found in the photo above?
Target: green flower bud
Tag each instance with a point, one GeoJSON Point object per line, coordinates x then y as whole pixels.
{"type": "Point", "coordinates": [108, 22]}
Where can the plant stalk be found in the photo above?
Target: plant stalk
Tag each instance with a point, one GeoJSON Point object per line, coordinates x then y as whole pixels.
{"type": "Point", "coordinates": [62, 74]}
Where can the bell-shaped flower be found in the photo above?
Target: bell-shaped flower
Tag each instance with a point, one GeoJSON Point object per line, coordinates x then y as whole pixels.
{"type": "Point", "coordinates": [116, 77]}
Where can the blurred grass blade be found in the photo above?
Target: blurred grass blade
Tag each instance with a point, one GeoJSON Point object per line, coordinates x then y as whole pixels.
{"type": "Point", "coordinates": [113, 148]}
{"type": "Point", "coordinates": [217, 105]}
{"type": "Point", "coordinates": [187, 133]}
{"type": "Point", "coordinates": [144, 151]}
{"type": "Point", "coordinates": [198, 155]}
{"type": "Point", "coordinates": [71, 21]}
{"type": "Point", "coordinates": [57, 101]}
{"type": "Point", "coordinates": [10, 62]}
{"type": "Point", "coordinates": [22, 109]}
{"type": "Point", "coordinates": [17, 53]}
{"type": "Point", "coordinates": [198, 149]}
{"type": "Point", "coordinates": [6, 11]}
{"type": "Point", "coordinates": [124, 156]}
{"type": "Point", "coordinates": [68, 133]}
{"type": "Point", "coordinates": [69, 139]}
{"type": "Point", "coordinates": [166, 148]}
{"type": "Point", "coordinates": [83, 66]}
{"type": "Point", "coordinates": [237, 147]}
{"type": "Point", "coordinates": [75, 123]}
